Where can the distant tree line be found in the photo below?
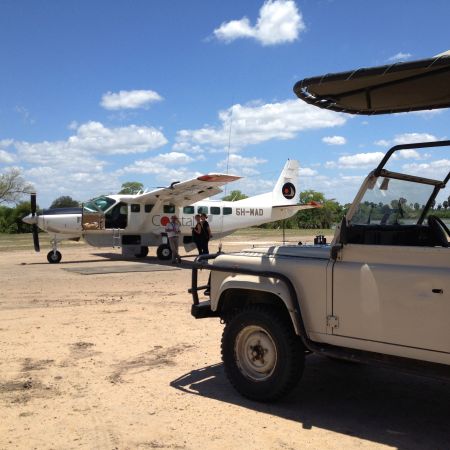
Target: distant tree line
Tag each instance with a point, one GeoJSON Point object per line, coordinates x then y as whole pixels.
{"type": "Point", "coordinates": [13, 188]}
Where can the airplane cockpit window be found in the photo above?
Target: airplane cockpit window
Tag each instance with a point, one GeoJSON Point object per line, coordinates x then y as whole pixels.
{"type": "Point", "coordinates": [188, 210]}
{"type": "Point", "coordinates": [215, 210]}
{"type": "Point", "coordinates": [202, 210]}
{"type": "Point", "coordinates": [227, 211]}
{"type": "Point", "coordinates": [100, 204]}
{"type": "Point", "coordinates": [135, 207]}
{"type": "Point", "coordinates": [148, 208]}
{"type": "Point", "coordinates": [168, 209]}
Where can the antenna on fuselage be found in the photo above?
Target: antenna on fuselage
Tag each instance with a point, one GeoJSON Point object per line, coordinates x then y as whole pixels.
{"type": "Point", "coordinates": [227, 170]}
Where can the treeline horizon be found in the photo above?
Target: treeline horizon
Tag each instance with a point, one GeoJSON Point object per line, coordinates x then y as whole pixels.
{"type": "Point", "coordinates": [328, 215]}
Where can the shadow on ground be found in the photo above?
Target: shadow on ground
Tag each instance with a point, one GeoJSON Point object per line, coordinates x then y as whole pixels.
{"type": "Point", "coordinates": [370, 403]}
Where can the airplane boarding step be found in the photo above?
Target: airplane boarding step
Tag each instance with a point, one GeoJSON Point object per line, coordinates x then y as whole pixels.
{"type": "Point", "coordinates": [116, 238]}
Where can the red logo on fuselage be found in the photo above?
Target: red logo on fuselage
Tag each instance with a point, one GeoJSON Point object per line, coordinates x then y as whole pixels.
{"type": "Point", "coordinates": [164, 221]}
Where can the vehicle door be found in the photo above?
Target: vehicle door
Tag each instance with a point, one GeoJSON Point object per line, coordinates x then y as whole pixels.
{"type": "Point", "coordinates": [393, 294]}
{"type": "Point", "coordinates": [391, 282]}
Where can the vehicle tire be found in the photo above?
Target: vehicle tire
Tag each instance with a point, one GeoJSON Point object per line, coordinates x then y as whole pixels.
{"type": "Point", "coordinates": [54, 257]}
{"type": "Point", "coordinates": [163, 252]}
{"type": "Point", "coordinates": [143, 253]}
{"type": "Point", "coordinates": [262, 355]}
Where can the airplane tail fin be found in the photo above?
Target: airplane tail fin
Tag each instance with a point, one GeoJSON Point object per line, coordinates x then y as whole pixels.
{"type": "Point", "coordinates": [286, 190]}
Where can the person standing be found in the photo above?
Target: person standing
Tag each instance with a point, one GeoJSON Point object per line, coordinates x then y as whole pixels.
{"type": "Point", "coordinates": [173, 232]}
{"type": "Point", "coordinates": [206, 232]}
{"type": "Point", "coordinates": [198, 235]}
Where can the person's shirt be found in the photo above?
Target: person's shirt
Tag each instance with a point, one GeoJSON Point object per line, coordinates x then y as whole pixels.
{"type": "Point", "coordinates": [172, 229]}
{"type": "Point", "coordinates": [197, 231]}
{"type": "Point", "coordinates": [206, 229]}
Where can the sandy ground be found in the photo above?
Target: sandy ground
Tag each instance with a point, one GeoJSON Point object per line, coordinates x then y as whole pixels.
{"type": "Point", "coordinates": [115, 361]}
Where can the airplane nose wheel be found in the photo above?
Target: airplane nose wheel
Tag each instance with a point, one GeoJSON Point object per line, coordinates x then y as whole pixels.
{"type": "Point", "coordinates": [54, 256]}
{"type": "Point", "coordinates": [164, 252]}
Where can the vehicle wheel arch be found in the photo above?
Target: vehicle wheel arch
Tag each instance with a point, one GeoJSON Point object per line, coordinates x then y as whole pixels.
{"type": "Point", "coordinates": [234, 299]}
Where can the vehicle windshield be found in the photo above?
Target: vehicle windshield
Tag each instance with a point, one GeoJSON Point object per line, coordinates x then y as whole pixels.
{"type": "Point", "coordinates": [392, 202]}
{"type": "Point", "coordinates": [100, 204]}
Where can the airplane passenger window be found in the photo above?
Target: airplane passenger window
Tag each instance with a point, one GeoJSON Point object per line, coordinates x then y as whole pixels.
{"type": "Point", "coordinates": [202, 210]}
{"type": "Point", "coordinates": [135, 208]}
{"type": "Point", "coordinates": [215, 210]}
{"type": "Point", "coordinates": [148, 208]}
{"type": "Point", "coordinates": [227, 211]}
{"type": "Point", "coordinates": [188, 210]}
{"type": "Point", "coordinates": [168, 209]}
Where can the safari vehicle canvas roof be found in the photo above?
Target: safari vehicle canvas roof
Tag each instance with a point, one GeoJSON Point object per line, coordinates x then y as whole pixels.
{"type": "Point", "coordinates": [401, 87]}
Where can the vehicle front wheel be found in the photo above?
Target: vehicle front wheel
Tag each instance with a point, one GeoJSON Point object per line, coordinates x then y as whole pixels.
{"type": "Point", "coordinates": [54, 257]}
{"type": "Point", "coordinates": [262, 355]}
{"type": "Point", "coordinates": [163, 252]}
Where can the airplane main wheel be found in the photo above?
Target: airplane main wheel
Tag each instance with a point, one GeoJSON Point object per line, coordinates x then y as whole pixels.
{"type": "Point", "coordinates": [143, 253]}
{"type": "Point", "coordinates": [54, 257]}
{"type": "Point", "coordinates": [164, 252]}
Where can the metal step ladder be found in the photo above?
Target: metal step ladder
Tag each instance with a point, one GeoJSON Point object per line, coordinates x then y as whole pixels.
{"type": "Point", "coordinates": [116, 238]}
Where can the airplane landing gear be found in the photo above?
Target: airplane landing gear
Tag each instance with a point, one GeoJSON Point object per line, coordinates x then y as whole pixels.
{"type": "Point", "coordinates": [163, 252]}
{"type": "Point", "coordinates": [54, 256]}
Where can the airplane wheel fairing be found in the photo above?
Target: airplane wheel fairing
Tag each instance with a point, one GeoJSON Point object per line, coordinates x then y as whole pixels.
{"type": "Point", "coordinates": [143, 253]}
{"type": "Point", "coordinates": [164, 252]}
{"type": "Point", "coordinates": [54, 257]}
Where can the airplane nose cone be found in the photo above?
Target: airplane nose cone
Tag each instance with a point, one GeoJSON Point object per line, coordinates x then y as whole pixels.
{"type": "Point", "coordinates": [30, 220]}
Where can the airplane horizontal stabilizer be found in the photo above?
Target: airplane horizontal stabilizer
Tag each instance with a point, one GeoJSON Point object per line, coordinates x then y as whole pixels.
{"type": "Point", "coordinates": [301, 206]}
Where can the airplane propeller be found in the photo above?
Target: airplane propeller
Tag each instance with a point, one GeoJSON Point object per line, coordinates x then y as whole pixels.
{"type": "Point", "coordinates": [35, 229]}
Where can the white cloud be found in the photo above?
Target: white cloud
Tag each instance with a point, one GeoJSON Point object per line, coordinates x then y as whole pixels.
{"type": "Point", "coordinates": [94, 138]}
{"type": "Point", "coordinates": [25, 114]}
{"type": "Point", "coordinates": [158, 165]}
{"type": "Point", "coordinates": [6, 157]}
{"type": "Point", "coordinates": [72, 166]}
{"type": "Point", "coordinates": [307, 172]}
{"type": "Point", "coordinates": [334, 140]}
{"type": "Point", "coordinates": [237, 161]}
{"type": "Point", "coordinates": [437, 169]}
{"type": "Point", "coordinates": [400, 56]}
{"type": "Point", "coordinates": [279, 22]}
{"type": "Point", "coordinates": [407, 154]}
{"type": "Point", "coordinates": [129, 99]}
{"type": "Point", "coordinates": [358, 160]}
{"type": "Point", "coordinates": [258, 123]}
{"type": "Point", "coordinates": [406, 138]}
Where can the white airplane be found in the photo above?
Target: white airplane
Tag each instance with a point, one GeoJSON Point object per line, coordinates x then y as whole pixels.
{"type": "Point", "coordinates": [135, 222]}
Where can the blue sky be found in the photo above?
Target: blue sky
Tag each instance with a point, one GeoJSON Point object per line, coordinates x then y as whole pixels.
{"type": "Point", "coordinates": [95, 93]}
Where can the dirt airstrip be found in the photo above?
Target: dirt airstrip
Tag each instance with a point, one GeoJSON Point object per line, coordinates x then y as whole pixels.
{"type": "Point", "coordinates": [98, 352]}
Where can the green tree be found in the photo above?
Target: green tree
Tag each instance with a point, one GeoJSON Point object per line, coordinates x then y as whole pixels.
{"type": "Point", "coordinates": [11, 218]}
{"type": "Point", "coordinates": [234, 196]}
{"type": "Point", "coordinates": [330, 213]}
{"type": "Point", "coordinates": [131, 188]}
{"type": "Point", "coordinates": [13, 187]}
{"type": "Point", "coordinates": [65, 201]}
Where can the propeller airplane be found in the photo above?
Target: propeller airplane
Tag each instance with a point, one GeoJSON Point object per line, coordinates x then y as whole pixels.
{"type": "Point", "coordinates": [135, 222]}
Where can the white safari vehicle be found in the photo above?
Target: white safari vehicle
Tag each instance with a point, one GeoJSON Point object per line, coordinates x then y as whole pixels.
{"type": "Point", "coordinates": [380, 293]}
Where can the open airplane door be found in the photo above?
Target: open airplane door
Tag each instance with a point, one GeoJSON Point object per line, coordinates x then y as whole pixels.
{"type": "Point", "coordinates": [92, 220]}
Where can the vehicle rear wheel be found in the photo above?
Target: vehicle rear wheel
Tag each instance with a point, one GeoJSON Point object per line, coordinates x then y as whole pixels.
{"type": "Point", "coordinates": [54, 257]}
{"type": "Point", "coordinates": [262, 355]}
{"type": "Point", "coordinates": [163, 252]}
{"type": "Point", "coordinates": [143, 253]}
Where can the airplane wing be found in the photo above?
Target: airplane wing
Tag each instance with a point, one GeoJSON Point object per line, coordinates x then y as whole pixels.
{"type": "Point", "coordinates": [188, 192]}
